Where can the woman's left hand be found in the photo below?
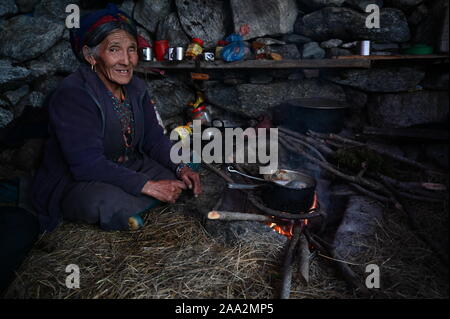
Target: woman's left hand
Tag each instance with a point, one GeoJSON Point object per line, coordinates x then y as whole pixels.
{"type": "Point", "coordinates": [191, 179]}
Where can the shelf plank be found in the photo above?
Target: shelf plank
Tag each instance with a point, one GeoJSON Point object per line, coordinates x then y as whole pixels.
{"type": "Point", "coordinates": [258, 64]}
{"type": "Point", "coordinates": [395, 57]}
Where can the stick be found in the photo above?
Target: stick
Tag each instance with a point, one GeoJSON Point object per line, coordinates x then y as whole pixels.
{"type": "Point", "coordinates": [420, 134]}
{"type": "Point", "coordinates": [415, 225]}
{"type": "Point", "coordinates": [287, 266]}
{"type": "Point", "coordinates": [304, 253]}
{"type": "Point", "coordinates": [379, 151]}
{"type": "Point", "coordinates": [235, 216]}
{"type": "Point", "coordinates": [318, 144]}
{"type": "Point", "coordinates": [417, 188]}
{"type": "Point", "coordinates": [325, 165]}
{"type": "Point", "coordinates": [271, 212]}
{"type": "Point", "coordinates": [346, 272]}
{"type": "Point", "coordinates": [219, 172]}
{"type": "Point", "coordinates": [306, 144]}
{"type": "Point", "coordinates": [370, 194]}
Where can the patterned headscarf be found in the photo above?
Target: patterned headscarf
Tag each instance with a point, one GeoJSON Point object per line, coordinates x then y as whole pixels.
{"type": "Point", "coordinates": [93, 20]}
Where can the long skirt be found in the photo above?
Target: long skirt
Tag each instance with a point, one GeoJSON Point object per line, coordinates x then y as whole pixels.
{"type": "Point", "coordinates": [109, 205]}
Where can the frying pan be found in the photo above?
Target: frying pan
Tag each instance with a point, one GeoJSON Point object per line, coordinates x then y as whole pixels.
{"type": "Point", "coordinates": [285, 190]}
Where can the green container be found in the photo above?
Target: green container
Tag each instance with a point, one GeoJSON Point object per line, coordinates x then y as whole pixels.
{"type": "Point", "coordinates": [419, 49]}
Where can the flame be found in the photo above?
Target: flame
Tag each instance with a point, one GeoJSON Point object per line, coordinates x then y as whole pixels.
{"type": "Point", "coordinates": [286, 229]}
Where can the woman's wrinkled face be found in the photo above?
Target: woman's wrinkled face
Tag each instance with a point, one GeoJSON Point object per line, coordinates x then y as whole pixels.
{"type": "Point", "coordinates": [117, 56]}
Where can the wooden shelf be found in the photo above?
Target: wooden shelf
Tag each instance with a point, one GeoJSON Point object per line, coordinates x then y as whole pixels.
{"type": "Point", "coordinates": [395, 57]}
{"type": "Point", "coordinates": [258, 64]}
{"type": "Point", "coordinates": [353, 61]}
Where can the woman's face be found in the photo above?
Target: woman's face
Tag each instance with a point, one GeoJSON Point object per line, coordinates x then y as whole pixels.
{"type": "Point", "coordinates": [117, 56]}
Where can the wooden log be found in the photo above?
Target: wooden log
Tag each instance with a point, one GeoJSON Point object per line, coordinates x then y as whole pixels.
{"type": "Point", "coordinates": [271, 212]}
{"type": "Point", "coordinates": [288, 263]}
{"type": "Point", "coordinates": [399, 158]}
{"type": "Point", "coordinates": [237, 216]}
{"type": "Point", "coordinates": [320, 146]}
{"type": "Point", "coordinates": [330, 168]}
{"type": "Point", "coordinates": [370, 194]}
{"type": "Point", "coordinates": [305, 144]}
{"type": "Point", "coordinates": [304, 258]}
{"type": "Point", "coordinates": [347, 273]}
{"type": "Point", "coordinates": [408, 133]}
{"type": "Point", "coordinates": [219, 173]}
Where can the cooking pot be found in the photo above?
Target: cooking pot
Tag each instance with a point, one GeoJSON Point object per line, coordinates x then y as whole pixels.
{"type": "Point", "coordinates": [316, 114]}
{"type": "Point", "coordinates": [285, 190]}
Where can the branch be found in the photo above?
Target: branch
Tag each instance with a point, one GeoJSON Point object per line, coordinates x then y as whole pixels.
{"type": "Point", "coordinates": [219, 173]}
{"type": "Point", "coordinates": [317, 144]}
{"type": "Point", "coordinates": [287, 266]}
{"type": "Point", "coordinates": [346, 272]}
{"type": "Point", "coordinates": [271, 212]}
{"type": "Point", "coordinates": [330, 168]}
{"type": "Point", "coordinates": [304, 253]}
{"type": "Point", "coordinates": [307, 145]}
{"type": "Point", "coordinates": [236, 216]}
{"type": "Point", "coordinates": [351, 142]}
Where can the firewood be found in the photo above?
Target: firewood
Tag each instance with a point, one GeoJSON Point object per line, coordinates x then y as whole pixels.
{"type": "Point", "coordinates": [237, 216]}
{"type": "Point", "coordinates": [293, 140]}
{"type": "Point", "coordinates": [288, 263]}
{"type": "Point", "coordinates": [351, 142]}
{"type": "Point", "coordinates": [317, 144]}
{"type": "Point", "coordinates": [219, 173]}
{"type": "Point", "coordinates": [415, 224]}
{"type": "Point", "coordinates": [375, 186]}
{"type": "Point", "coordinates": [409, 133]}
{"type": "Point", "coordinates": [347, 273]}
{"type": "Point", "coordinates": [304, 262]}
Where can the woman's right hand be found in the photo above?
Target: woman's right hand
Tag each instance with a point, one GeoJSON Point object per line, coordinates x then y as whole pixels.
{"type": "Point", "coordinates": [166, 191]}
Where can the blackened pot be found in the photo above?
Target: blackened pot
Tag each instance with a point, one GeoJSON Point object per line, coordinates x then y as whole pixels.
{"type": "Point", "coordinates": [294, 198]}
{"type": "Point", "coordinates": [316, 114]}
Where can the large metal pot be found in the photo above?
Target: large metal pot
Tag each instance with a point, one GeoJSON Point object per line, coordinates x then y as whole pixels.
{"type": "Point", "coordinates": [315, 114]}
{"type": "Point", "coordinates": [285, 190]}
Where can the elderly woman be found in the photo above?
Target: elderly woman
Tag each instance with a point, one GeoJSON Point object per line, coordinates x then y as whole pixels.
{"type": "Point", "coordinates": [106, 160]}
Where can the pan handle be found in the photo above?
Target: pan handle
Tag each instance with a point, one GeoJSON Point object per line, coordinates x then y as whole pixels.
{"type": "Point", "coordinates": [232, 170]}
{"type": "Point", "coordinates": [244, 186]}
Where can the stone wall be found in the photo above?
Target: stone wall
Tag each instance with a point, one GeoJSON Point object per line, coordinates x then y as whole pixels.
{"type": "Point", "coordinates": [35, 55]}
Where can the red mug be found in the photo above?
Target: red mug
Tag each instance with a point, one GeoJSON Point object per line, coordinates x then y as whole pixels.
{"type": "Point", "coordinates": [161, 47]}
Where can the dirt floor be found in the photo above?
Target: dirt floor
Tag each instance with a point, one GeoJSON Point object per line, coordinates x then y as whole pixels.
{"type": "Point", "coordinates": [173, 256]}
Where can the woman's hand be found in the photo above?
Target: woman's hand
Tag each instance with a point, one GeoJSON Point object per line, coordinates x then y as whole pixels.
{"type": "Point", "coordinates": [191, 179]}
{"type": "Point", "coordinates": [166, 191]}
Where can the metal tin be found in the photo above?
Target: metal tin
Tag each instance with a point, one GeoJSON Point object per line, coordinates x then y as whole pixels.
{"type": "Point", "coordinates": [209, 56]}
{"type": "Point", "coordinates": [364, 47]}
{"type": "Point", "coordinates": [175, 54]}
{"type": "Point", "coordinates": [147, 54]}
{"type": "Point", "coordinates": [179, 54]}
{"type": "Point", "coordinates": [170, 52]}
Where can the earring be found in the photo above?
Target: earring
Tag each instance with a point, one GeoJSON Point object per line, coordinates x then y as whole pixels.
{"type": "Point", "coordinates": [93, 68]}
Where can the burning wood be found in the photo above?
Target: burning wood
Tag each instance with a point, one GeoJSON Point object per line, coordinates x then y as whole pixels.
{"type": "Point", "coordinates": [236, 216]}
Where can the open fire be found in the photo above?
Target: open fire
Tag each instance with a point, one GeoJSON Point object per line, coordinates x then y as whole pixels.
{"type": "Point", "coordinates": [286, 227]}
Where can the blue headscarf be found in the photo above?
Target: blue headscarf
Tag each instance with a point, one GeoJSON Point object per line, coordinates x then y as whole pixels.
{"type": "Point", "coordinates": [91, 21]}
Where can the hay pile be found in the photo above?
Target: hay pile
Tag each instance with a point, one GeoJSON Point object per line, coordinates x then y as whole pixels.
{"type": "Point", "coordinates": [174, 257]}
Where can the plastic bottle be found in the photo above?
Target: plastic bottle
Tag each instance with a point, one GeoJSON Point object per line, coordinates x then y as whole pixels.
{"type": "Point", "coordinates": [195, 48]}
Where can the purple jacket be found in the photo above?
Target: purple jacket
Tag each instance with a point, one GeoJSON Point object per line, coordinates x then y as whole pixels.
{"type": "Point", "coordinates": [75, 150]}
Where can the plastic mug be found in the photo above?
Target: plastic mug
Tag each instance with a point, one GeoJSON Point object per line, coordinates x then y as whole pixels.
{"type": "Point", "coordinates": [161, 47]}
